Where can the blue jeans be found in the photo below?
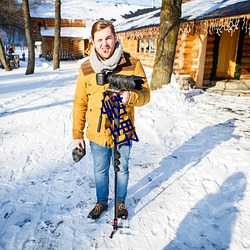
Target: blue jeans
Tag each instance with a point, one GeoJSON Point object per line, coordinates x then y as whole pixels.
{"type": "Point", "coordinates": [102, 157]}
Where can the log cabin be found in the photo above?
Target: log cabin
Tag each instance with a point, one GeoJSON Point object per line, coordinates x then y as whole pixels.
{"type": "Point", "coordinates": [74, 37]}
{"type": "Point", "coordinates": [213, 41]}
{"type": "Point", "coordinates": [77, 17]}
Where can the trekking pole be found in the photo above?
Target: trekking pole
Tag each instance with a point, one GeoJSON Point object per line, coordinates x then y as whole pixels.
{"type": "Point", "coordinates": [117, 156]}
{"type": "Point", "coordinates": [117, 169]}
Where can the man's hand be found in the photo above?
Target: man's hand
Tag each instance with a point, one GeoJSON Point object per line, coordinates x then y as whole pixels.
{"type": "Point", "coordinates": [79, 143]}
{"type": "Point", "coordinates": [125, 95]}
{"type": "Point", "coordinates": [79, 151]}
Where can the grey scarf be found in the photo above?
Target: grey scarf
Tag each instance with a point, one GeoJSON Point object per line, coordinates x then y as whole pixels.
{"type": "Point", "coordinates": [110, 64]}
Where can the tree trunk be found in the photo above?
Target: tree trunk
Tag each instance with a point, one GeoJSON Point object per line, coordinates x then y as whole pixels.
{"type": "Point", "coordinates": [3, 57]}
{"type": "Point", "coordinates": [168, 34]}
{"type": "Point", "coordinates": [29, 38]}
{"type": "Point", "coordinates": [56, 59]}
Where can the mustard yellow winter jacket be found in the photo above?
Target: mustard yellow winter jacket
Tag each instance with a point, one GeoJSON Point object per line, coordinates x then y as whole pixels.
{"type": "Point", "coordinates": [88, 102]}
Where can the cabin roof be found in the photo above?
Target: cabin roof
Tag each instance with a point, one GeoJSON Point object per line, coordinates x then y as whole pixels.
{"type": "Point", "coordinates": [208, 9]}
{"type": "Point", "coordinates": [193, 10]}
{"type": "Point", "coordinates": [140, 21]}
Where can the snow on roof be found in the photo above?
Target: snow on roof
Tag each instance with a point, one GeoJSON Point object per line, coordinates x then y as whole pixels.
{"type": "Point", "coordinates": [85, 10]}
{"type": "Point", "coordinates": [197, 9]}
{"type": "Point", "coordinates": [79, 32]}
{"type": "Point", "coordinates": [192, 10]}
{"type": "Point", "coordinates": [145, 20]}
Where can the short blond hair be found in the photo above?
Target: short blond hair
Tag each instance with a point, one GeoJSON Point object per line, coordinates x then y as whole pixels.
{"type": "Point", "coordinates": [100, 25]}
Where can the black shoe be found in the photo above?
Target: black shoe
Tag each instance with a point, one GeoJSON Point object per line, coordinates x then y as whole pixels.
{"type": "Point", "coordinates": [122, 211]}
{"type": "Point", "coordinates": [97, 210]}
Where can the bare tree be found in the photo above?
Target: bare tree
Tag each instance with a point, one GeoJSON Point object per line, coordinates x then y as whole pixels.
{"type": "Point", "coordinates": [11, 24]}
{"type": "Point", "coordinates": [3, 57]}
{"type": "Point", "coordinates": [56, 59]}
{"type": "Point", "coordinates": [168, 34]}
{"type": "Point", "coordinates": [11, 17]}
{"type": "Point", "coordinates": [28, 33]}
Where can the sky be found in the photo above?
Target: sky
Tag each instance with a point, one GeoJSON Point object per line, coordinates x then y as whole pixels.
{"type": "Point", "coordinates": [189, 171]}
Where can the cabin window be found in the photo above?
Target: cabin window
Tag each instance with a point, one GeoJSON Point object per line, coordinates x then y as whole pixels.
{"type": "Point", "coordinates": [139, 45]}
{"type": "Point", "coordinates": [146, 45]}
{"type": "Point", "coordinates": [152, 45]}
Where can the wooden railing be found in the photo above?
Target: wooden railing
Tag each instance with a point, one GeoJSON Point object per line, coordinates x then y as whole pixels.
{"type": "Point", "coordinates": [63, 55]}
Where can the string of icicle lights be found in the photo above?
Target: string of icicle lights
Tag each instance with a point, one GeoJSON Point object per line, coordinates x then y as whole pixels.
{"type": "Point", "coordinates": [218, 25]}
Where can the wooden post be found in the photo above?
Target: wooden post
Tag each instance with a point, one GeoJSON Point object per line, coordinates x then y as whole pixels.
{"type": "Point", "coordinates": [201, 60]}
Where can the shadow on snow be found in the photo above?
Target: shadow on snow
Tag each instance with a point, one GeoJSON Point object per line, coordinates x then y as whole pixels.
{"type": "Point", "coordinates": [189, 155]}
{"type": "Point", "coordinates": [23, 110]}
{"type": "Point", "coordinates": [210, 223]}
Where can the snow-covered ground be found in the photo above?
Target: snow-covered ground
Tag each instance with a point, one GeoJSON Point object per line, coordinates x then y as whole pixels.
{"type": "Point", "coordinates": [189, 172]}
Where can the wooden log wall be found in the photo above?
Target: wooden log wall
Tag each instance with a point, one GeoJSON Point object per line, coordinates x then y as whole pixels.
{"type": "Point", "coordinates": [190, 56]}
{"type": "Point", "coordinates": [73, 45]}
{"type": "Point", "coordinates": [146, 59]}
{"type": "Point", "coordinates": [47, 45]}
{"type": "Point", "coordinates": [66, 44]}
{"type": "Point", "coordinates": [79, 46]}
{"type": "Point", "coordinates": [185, 59]}
{"type": "Point", "coordinates": [131, 46]}
{"type": "Point", "coordinates": [50, 22]}
{"type": "Point", "coordinates": [186, 55]}
{"type": "Point", "coordinates": [178, 61]}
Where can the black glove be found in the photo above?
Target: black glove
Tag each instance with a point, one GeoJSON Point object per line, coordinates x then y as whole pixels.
{"type": "Point", "coordinates": [78, 153]}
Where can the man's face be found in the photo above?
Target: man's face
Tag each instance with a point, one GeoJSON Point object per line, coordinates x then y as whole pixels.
{"type": "Point", "coordinates": [104, 42]}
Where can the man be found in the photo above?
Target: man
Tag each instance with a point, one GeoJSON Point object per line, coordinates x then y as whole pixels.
{"type": "Point", "coordinates": [107, 54]}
